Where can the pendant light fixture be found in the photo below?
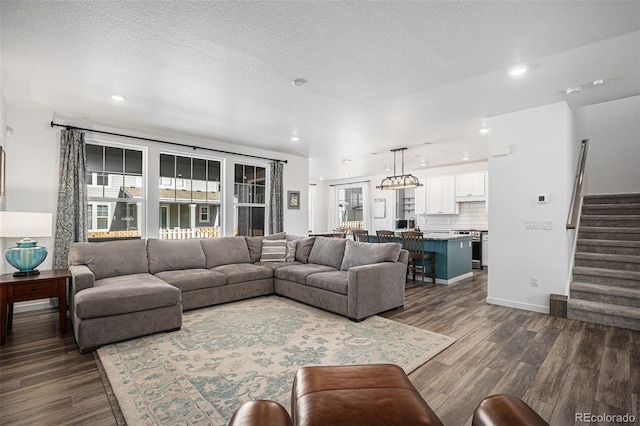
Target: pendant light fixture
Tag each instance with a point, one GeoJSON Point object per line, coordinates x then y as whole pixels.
{"type": "Point", "coordinates": [399, 181]}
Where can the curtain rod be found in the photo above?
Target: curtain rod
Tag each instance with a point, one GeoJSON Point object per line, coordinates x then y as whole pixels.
{"type": "Point", "coordinates": [350, 183]}
{"type": "Point", "coordinates": [165, 142]}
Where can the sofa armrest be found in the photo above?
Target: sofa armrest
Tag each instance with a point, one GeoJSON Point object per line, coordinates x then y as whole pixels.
{"type": "Point", "coordinates": [375, 288]}
{"type": "Point", "coordinates": [81, 278]}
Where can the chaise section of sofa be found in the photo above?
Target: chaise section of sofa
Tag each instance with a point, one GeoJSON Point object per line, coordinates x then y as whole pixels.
{"type": "Point", "coordinates": [114, 297]}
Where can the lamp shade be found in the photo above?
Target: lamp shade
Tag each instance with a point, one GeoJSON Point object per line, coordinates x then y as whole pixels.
{"type": "Point", "coordinates": [27, 255]}
{"type": "Point", "coordinates": [25, 224]}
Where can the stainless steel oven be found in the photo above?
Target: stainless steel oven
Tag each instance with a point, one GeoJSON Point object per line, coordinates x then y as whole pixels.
{"type": "Point", "coordinates": [476, 247]}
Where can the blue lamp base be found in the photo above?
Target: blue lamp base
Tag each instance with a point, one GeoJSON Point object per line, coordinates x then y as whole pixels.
{"type": "Point", "coordinates": [26, 257]}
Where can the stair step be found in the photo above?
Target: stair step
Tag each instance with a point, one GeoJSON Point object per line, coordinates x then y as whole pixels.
{"type": "Point", "coordinates": [606, 294]}
{"type": "Point", "coordinates": [606, 209]}
{"type": "Point", "coordinates": [604, 313]}
{"type": "Point", "coordinates": [609, 233]}
{"type": "Point", "coordinates": [610, 220]}
{"type": "Point", "coordinates": [619, 262]}
{"type": "Point", "coordinates": [608, 246]}
{"type": "Point", "coordinates": [612, 199]}
{"type": "Point", "coordinates": [606, 276]}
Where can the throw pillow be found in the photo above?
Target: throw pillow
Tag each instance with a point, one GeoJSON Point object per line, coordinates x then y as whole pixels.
{"type": "Point", "coordinates": [278, 251]}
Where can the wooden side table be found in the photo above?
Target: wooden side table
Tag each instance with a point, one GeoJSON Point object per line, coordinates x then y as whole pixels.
{"type": "Point", "coordinates": [20, 289]}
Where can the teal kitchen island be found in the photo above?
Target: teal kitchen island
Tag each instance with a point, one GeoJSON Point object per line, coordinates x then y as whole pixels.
{"type": "Point", "coordinates": [453, 255]}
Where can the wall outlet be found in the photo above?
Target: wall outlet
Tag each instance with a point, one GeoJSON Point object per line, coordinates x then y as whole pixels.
{"type": "Point", "coordinates": [535, 281]}
{"type": "Point", "coordinates": [531, 224]}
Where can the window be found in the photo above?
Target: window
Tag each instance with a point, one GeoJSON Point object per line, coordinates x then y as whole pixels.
{"type": "Point", "coordinates": [190, 197]}
{"type": "Point", "coordinates": [350, 208]}
{"type": "Point", "coordinates": [114, 191]}
{"type": "Point", "coordinates": [250, 185]}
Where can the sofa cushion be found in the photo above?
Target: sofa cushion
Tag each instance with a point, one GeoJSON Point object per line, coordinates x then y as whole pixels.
{"type": "Point", "coordinates": [125, 294]}
{"type": "Point", "coordinates": [192, 279]}
{"type": "Point", "coordinates": [303, 247]}
{"type": "Point", "coordinates": [171, 255]}
{"type": "Point", "coordinates": [358, 253]}
{"type": "Point", "coordinates": [299, 273]}
{"type": "Point", "coordinates": [254, 244]}
{"type": "Point", "coordinates": [242, 272]}
{"type": "Point", "coordinates": [334, 281]}
{"type": "Point", "coordinates": [225, 251]}
{"type": "Point", "coordinates": [111, 258]}
{"type": "Point", "coordinates": [328, 251]}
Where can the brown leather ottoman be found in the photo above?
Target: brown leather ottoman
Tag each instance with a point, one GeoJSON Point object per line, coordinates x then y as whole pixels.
{"type": "Point", "coordinates": [260, 413]}
{"type": "Point", "coordinates": [378, 394]}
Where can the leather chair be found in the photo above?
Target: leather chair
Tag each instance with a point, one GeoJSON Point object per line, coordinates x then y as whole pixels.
{"type": "Point", "coordinates": [361, 235]}
{"type": "Point", "coordinates": [413, 241]}
{"type": "Point", "coordinates": [386, 236]}
{"type": "Point", "coordinates": [261, 413]}
{"type": "Point", "coordinates": [505, 410]}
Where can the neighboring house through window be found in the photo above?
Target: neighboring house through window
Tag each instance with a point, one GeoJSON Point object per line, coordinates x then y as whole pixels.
{"type": "Point", "coordinates": [190, 197]}
{"type": "Point", "coordinates": [114, 191]}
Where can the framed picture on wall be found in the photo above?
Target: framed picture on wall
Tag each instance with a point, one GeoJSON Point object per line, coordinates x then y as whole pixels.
{"type": "Point", "coordinates": [293, 199]}
{"type": "Point", "coordinates": [2, 171]}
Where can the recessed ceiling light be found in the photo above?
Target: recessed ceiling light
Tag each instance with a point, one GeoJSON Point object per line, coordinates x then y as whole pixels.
{"type": "Point", "coordinates": [518, 70]}
{"type": "Point", "coordinates": [347, 161]}
{"type": "Point", "coordinates": [299, 82]}
{"type": "Point", "coordinates": [484, 130]}
{"type": "Point", "coordinates": [573, 90]}
{"type": "Point", "coordinates": [117, 98]}
{"type": "Point", "coordinates": [295, 138]}
{"type": "Point", "coordinates": [387, 169]}
{"type": "Point", "coordinates": [423, 163]}
{"type": "Point", "coordinates": [598, 82]}
{"type": "Point", "coordinates": [321, 178]}
{"type": "Point", "coordinates": [466, 157]}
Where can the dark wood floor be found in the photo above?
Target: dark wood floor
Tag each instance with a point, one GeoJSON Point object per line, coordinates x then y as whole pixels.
{"type": "Point", "coordinates": [558, 366]}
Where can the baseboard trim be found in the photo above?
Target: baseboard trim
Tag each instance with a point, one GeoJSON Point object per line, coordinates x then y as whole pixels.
{"type": "Point", "coordinates": [518, 305]}
{"type": "Point", "coordinates": [454, 279]}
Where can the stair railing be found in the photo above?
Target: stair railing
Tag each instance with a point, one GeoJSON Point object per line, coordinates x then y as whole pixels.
{"type": "Point", "coordinates": [574, 208]}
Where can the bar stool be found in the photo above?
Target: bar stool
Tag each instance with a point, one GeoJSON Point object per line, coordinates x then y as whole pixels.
{"type": "Point", "coordinates": [413, 242]}
{"type": "Point", "coordinates": [361, 235]}
{"type": "Point", "coordinates": [386, 236]}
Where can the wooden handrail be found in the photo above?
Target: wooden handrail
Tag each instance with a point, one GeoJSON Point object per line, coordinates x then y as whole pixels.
{"type": "Point", "coordinates": [574, 208]}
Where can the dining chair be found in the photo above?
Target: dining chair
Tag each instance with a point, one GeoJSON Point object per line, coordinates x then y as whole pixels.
{"type": "Point", "coordinates": [386, 236]}
{"type": "Point", "coordinates": [361, 235]}
{"type": "Point", "coordinates": [413, 242]}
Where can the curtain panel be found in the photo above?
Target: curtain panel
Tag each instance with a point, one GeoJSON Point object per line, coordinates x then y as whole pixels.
{"type": "Point", "coordinates": [71, 220]}
{"type": "Point", "coordinates": [276, 198]}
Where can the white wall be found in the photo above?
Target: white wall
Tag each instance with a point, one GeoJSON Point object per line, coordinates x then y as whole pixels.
{"type": "Point", "coordinates": [33, 156]}
{"type": "Point", "coordinates": [542, 157]}
{"type": "Point", "coordinates": [3, 144]}
{"type": "Point", "coordinates": [613, 130]}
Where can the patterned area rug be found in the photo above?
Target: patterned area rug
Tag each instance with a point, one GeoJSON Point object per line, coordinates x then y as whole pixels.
{"type": "Point", "coordinates": [229, 354]}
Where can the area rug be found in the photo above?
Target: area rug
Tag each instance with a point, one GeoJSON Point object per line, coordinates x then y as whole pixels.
{"type": "Point", "coordinates": [229, 354]}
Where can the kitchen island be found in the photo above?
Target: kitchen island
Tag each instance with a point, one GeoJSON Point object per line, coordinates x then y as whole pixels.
{"type": "Point", "coordinates": [453, 255]}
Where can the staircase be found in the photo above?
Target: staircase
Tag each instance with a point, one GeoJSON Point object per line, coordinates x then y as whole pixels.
{"type": "Point", "coordinates": [606, 277]}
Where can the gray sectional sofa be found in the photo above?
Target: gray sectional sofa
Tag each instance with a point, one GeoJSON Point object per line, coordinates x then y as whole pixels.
{"type": "Point", "coordinates": [125, 289]}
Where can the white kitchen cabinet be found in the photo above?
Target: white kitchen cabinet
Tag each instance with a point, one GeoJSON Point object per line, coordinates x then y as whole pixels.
{"type": "Point", "coordinates": [471, 187]}
{"type": "Point", "coordinates": [441, 195]}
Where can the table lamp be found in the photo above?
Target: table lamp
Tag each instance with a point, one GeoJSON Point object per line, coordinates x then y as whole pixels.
{"type": "Point", "coordinates": [27, 255]}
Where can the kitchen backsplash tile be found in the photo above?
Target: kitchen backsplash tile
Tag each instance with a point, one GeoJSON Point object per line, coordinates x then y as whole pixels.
{"type": "Point", "coordinates": [472, 215]}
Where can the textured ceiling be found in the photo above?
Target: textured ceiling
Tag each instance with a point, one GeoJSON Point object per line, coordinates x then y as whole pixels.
{"type": "Point", "coordinates": [381, 75]}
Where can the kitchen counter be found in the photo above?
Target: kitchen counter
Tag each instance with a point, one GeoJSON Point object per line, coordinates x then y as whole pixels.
{"type": "Point", "coordinates": [453, 255]}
